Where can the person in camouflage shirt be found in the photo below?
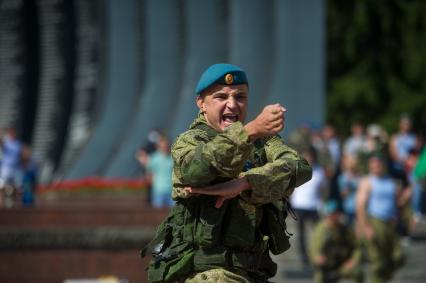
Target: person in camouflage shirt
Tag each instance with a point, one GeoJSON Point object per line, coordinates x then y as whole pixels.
{"type": "Point", "coordinates": [335, 252]}
{"type": "Point", "coordinates": [230, 183]}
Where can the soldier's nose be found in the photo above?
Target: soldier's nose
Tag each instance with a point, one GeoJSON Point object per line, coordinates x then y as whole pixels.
{"type": "Point", "coordinates": [231, 104]}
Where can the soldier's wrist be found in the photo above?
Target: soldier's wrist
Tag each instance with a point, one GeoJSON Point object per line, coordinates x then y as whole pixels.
{"type": "Point", "coordinates": [251, 131]}
{"type": "Point", "coordinates": [246, 183]}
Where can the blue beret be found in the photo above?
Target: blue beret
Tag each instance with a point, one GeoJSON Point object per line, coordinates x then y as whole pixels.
{"type": "Point", "coordinates": [224, 74]}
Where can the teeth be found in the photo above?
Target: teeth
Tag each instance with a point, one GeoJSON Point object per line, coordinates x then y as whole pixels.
{"type": "Point", "coordinates": [230, 118]}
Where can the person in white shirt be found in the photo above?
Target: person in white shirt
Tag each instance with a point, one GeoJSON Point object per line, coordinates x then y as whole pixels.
{"type": "Point", "coordinates": [306, 200]}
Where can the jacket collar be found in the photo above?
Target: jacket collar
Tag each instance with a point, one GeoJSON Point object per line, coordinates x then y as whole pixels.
{"type": "Point", "coordinates": [200, 120]}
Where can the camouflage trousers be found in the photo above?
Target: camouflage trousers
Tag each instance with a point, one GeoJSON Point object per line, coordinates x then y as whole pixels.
{"type": "Point", "coordinates": [223, 276]}
{"type": "Point", "coordinates": [384, 251]}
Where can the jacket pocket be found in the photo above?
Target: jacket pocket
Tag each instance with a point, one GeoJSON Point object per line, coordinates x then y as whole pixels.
{"type": "Point", "coordinates": [210, 223]}
{"type": "Point", "coordinates": [240, 232]}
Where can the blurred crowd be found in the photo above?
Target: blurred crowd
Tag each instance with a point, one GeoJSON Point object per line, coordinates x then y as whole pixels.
{"type": "Point", "coordinates": [366, 193]}
{"type": "Point", "coordinates": [18, 170]}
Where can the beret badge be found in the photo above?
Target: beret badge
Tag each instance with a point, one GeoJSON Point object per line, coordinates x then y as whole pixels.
{"type": "Point", "coordinates": [229, 79]}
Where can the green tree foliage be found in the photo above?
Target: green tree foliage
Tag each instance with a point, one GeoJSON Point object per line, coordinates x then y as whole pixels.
{"type": "Point", "coordinates": [376, 60]}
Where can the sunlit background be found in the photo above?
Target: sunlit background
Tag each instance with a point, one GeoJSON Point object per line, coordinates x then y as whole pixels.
{"type": "Point", "coordinates": [84, 83]}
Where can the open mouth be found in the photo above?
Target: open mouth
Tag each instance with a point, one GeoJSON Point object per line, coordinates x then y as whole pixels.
{"type": "Point", "coordinates": [229, 118]}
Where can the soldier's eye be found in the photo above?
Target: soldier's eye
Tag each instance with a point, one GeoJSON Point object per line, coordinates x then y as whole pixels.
{"type": "Point", "coordinates": [220, 96]}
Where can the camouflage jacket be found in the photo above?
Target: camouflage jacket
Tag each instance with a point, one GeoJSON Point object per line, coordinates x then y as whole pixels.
{"type": "Point", "coordinates": [201, 160]}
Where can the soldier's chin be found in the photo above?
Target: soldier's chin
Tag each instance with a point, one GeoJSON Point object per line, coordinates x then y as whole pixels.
{"type": "Point", "coordinates": [226, 124]}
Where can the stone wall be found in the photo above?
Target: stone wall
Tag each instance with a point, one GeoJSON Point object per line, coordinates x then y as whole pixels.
{"type": "Point", "coordinates": [87, 238]}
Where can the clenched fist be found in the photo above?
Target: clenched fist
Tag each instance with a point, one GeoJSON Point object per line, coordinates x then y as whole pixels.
{"type": "Point", "coordinates": [268, 123]}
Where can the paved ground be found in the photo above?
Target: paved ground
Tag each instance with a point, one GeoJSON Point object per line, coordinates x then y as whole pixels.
{"type": "Point", "coordinates": [290, 269]}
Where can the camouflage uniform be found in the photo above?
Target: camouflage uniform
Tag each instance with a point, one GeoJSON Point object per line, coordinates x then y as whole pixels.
{"type": "Point", "coordinates": [235, 231]}
{"type": "Point", "coordinates": [338, 244]}
{"type": "Point", "coordinates": [221, 275]}
{"type": "Point", "coordinates": [200, 161]}
{"type": "Point", "coordinates": [384, 251]}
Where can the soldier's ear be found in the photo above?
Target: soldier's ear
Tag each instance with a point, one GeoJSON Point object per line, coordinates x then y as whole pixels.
{"type": "Point", "coordinates": [200, 102]}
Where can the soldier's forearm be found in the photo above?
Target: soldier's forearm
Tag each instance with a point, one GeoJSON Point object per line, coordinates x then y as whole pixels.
{"type": "Point", "coordinates": [277, 152]}
{"type": "Point", "coordinates": [273, 181]}
{"type": "Point", "coordinates": [232, 187]}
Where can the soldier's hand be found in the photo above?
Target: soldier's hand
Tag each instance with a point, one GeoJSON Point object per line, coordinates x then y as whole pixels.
{"type": "Point", "coordinates": [221, 199]}
{"type": "Point", "coordinates": [268, 123]}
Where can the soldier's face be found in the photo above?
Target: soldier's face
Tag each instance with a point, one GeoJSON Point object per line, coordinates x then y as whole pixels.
{"type": "Point", "coordinates": [224, 105]}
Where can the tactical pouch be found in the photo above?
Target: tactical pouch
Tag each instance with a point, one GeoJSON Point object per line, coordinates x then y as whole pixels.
{"type": "Point", "coordinates": [172, 254]}
{"type": "Point", "coordinates": [267, 266]}
{"type": "Point", "coordinates": [240, 229]}
{"type": "Point", "coordinates": [274, 215]}
{"type": "Point", "coordinates": [208, 232]}
{"type": "Point", "coordinates": [173, 264]}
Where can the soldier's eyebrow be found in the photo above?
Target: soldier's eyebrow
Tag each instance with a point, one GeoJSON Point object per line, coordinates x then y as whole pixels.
{"type": "Point", "coordinates": [220, 92]}
{"type": "Point", "coordinates": [241, 92]}
{"type": "Point", "coordinates": [237, 92]}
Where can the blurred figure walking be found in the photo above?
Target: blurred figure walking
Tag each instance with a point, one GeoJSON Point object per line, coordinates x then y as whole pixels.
{"type": "Point", "coordinates": [401, 143]}
{"type": "Point", "coordinates": [348, 182]}
{"type": "Point", "coordinates": [377, 200]}
{"type": "Point", "coordinates": [9, 166]}
{"type": "Point", "coordinates": [159, 165]}
{"type": "Point", "coordinates": [28, 171]}
{"type": "Point", "coordinates": [334, 250]}
{"type": "Point", "coordinates": [306, 201]}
